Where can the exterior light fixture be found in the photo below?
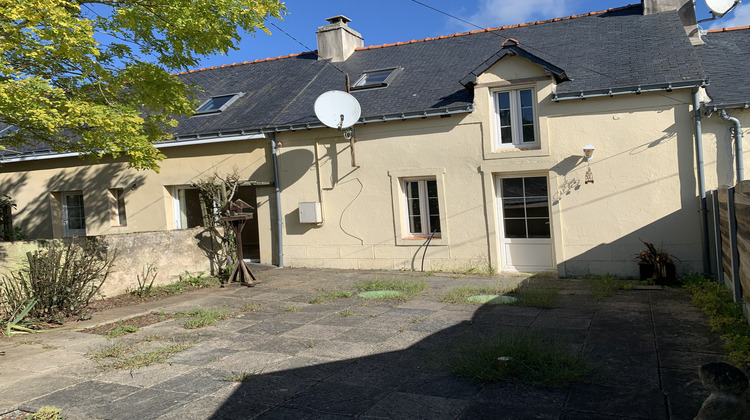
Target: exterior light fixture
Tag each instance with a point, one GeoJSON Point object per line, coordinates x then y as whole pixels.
{"type": "Point", "coordinates": [588, 152]}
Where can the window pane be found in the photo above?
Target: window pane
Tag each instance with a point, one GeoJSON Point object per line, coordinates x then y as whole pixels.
{"type": "Point", "coordinates": [513, 207]}
{"type": "Point", "coordinates": [433, 207]}
{"type": "Point", "coordinates": [536, 186]}
{"type": "Point", "coordinates": [215, 103]}
{"type": "Point", "coordinates": [503, 100]}
{"type": "Point", "coordinates": [515, 228]}
{"type": "Point", "coordinates": [526, 98]}
{"type": "Point", "coordinates": [528, 134]}
{"type": "Point", "coordinates": [413, 189]}
{"type": "Point", "coordinates": [537, 207]}
{"type": "Point", "coordinates": [527, 116]}
{"type": "Point", "coordinates": [432, 189]}
{"type": "Point", "coordinates": [415, 209]}
{"type": "Point", "coordinates": [505, 118]}
{"type": "Point", "coordinates": [415, 225]}
{"type": "Point", "coordinates": [506, 135]}
{"type": "Point", "coordinates": [435, 224]}
{"type": "Point", "coordinates": [538, 228]}
{"type": "Point", "coordinates": [513, 187]}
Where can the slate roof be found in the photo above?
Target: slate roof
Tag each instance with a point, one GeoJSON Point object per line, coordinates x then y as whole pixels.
{"type": "Point", "coordinates": [615, 49]}
{"type": "Point", "coordinates": [726, 57]}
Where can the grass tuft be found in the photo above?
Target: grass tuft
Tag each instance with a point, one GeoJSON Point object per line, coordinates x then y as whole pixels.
{"type": "Point", "coordinates": [534, 360]}
{"type": "Point", "coordinates": [121, 330]}
{"type": "Point", "coordinates": [330, 296]}
{"type": "Point", "coordinates": [406, 288]}
{"type": "Point", "coordinates": [463, 293]}
{"type": "Point", "coordinates": [200, 318]}
{"type": "Point", "coordinates": [538, 294]}
{"type": "Point", "coordinates": [242, 376]}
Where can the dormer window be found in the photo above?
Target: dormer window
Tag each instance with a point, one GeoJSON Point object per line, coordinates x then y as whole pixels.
{"type": "Point", "coordinates": [376, 78]}
{"type": "Point", "coordinates": [515, 122]}
{"type": "Point", "coordinates": [217, 103]}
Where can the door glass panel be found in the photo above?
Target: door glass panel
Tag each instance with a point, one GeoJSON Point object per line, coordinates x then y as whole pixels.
{"type": "Point", "coordinates": [537, 207]}
{"type": "Point", "coordinates": [513, 207]}
{"type": "Point", "coordinates": [536, 186]}
{"type": "Point", "coordinates": [515, 228]}
{"type": "Point", "coordinates": [525, 207]}
{"type": "Point", "coordinates": [538, 228]}
{"type": "Point", "coordinates": [512, 187]}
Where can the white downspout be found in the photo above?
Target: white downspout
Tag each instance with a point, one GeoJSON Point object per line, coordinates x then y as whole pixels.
{"type": "Point", "coordinates": [701, 180]}
{"type": "Point", "coordinates": [737, 143]}
{"type": "Point", "coordinates": [280, 230]}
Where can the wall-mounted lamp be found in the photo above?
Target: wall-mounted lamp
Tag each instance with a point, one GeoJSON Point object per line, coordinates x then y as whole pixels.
{"type": "Point", "coordinates": [588, 152]}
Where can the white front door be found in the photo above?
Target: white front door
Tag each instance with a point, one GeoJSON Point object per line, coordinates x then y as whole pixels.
{"type": "Point", "coordinates": [524, 221]}
{"type": "Point", "coordinates": [73, 215]}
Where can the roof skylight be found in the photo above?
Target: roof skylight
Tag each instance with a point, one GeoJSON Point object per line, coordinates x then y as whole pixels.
{"type": "Point", "coordinates": [217, 103]}
{"type": "Point", "coordinates": [376, 78]}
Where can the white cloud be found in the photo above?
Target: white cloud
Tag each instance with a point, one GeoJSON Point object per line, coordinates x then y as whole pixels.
{"type": "Point", "coordinates": [493, 13]}
{"type": "Point", "coordinates": [740, 16]}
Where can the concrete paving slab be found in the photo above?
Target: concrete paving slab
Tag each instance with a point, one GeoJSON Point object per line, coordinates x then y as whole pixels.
{"type": "Point", "coordinates": [386, 360]}
{"type": "Point", "coordinates": [335, 398]}
{"type": "Point", "coordinates": [401, 405]}
{"type": "Point", "coordinates": [644, 402]}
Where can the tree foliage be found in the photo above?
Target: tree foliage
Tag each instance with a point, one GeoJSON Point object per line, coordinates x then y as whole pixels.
{"type": "Point", "coordinates": [94, 76]}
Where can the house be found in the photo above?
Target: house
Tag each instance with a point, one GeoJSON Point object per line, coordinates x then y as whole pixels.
{"type": "Point", "coordinates": [468, 154]}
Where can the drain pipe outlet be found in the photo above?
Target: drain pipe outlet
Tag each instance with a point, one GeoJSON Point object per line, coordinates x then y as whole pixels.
{"type": "Point", "coordinates": [737, 143]}
{"type": "Point", "coordinates": [701, 181]}
{"type": "Point", "coordinates": [279, 228]}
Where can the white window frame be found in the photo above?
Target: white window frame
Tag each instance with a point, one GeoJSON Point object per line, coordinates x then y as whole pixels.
{"type": "Point", "coordinates": [402, 236]}
{"type": "Point", "coordinates": [515, 119]}
{"type": "Point", "coordinates": [119, 215]}
{"type": "Point", "coordinates": [424, 211]}
{"type": "Point", "coordinates": [67, 231]}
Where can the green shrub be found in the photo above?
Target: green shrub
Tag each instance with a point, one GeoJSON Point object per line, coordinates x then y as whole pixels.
{"type": "Point", "coordinates": [62, 277]}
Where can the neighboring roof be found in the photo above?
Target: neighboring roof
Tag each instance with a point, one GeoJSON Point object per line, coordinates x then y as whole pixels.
{"type": "Point", "coordinates": [618, 49]}
{"type": "Point", "coordinates": [726, 57]}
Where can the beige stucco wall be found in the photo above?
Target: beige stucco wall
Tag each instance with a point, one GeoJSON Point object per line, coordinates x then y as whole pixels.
{"type": "Point", "coordinates": [173, 254]}
{"type": "Point", "coordinates": [36, 186]}
{"type": "Point", "coordinates": [644, 186]}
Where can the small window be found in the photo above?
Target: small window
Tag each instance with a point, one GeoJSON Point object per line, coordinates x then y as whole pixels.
{"type": "Point", "coordinates": [376, 78]}
{"type": "Point", "coordinates": [514, 119]}
{"type": "Point", "coordinates": [187, 207]}
{"type": "Point", "coordinates": [8, 130]}
{"type": "Point", "coordinates": [117, 207]}
{"type": "Point", "coordinates": [73, 214]}
{"type": "Point", "coordinates": [422, 207]}
{"type": "Point", "coordinates": [217, 103]}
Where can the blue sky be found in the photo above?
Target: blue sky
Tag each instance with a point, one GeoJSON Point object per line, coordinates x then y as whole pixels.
{"type": "Point", "coordinates": [388, 21]}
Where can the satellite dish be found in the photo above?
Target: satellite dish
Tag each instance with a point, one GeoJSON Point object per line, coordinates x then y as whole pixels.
{"type": "Point", "coordinates": [720, 8]}
{"type": "Point", "coordinates": [337, 109]}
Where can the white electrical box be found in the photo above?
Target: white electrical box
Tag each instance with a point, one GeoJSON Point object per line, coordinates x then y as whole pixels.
{"type": "Point", "coordinates": [309, 212]}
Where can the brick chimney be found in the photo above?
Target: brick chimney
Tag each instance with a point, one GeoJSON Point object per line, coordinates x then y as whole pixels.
{"type": "Point", "coordinates": [337, 41]}
{"type": "Point", "coordinates": [686, 10]}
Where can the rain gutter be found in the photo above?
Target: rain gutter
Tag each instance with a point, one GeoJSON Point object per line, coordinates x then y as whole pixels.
{"type": "Point", "coordinates": [629, 90]}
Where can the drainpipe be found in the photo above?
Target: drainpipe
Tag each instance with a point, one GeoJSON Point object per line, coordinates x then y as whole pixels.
{"type": "Point", "coordinates": [737, 143]}
{"type": "Point", "coordinates": [279, 228]}
{"type": "Point", "coordinates": [701, 180]}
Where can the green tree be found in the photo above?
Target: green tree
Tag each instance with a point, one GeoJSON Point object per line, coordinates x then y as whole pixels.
{"type": "Point", "coordinates": [94, 76]}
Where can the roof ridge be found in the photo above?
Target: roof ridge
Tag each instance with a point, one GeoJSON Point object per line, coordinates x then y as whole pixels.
{"type": "Point", "coordinates": [736, 28]}
{"type": "Point", "coordinates": [499, 28]}
{"type": "Point", "coordinates": [281, 57]}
